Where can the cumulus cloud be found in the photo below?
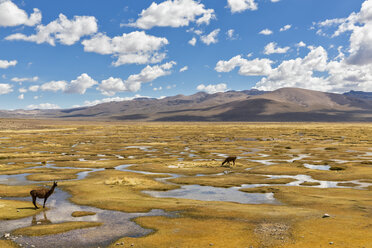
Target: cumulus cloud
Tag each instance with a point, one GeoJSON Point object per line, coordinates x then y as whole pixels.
{"type": "Point", "coordinates": [5, 89]}
{"type": "Point", "coordinates": [210, 38]}
{"type": "Point", "coordinates": [192, 42]}
{"type": "Point", "coordinates": [185, 68]}
{"type": "Point", "coordinates": [241, 5]}
{"type": "Point", "coordinates": [212, 88]}
{"type": "Point", "coordinates": [34, 88]}
{"type": "Point", "coordinates": [254, 67]}
{"type": "Point", "coordinates": [301, 44]}
{"type": "Point", "coordinates": [314, 71]}
{"type": "Point", "coordinates": [132, 48]}
{"type": "Point", "coordinates": [43, 106]}
{"type": "Point", "coordinates": [11, 15]}
{"type": "Point", "coordinates": [360, 26]}
{"type": "Point", "coordinates": [25, 79]}
{"type": "Point", "coordinates": [176, 13]}
{"type": "Point", "coordinates": [54, 86]}
{"type": "Point", "coordinates": [81, 84]}
{"type": "Point", "coordinates": [62, 30]}
{"type": "Point", "coordinates": [77, 86]}
{"type": "Point", "coordinates": [231, 34]}
{"type": "Point", "coordinates": [22, 90]}
{"type": "Point", "coordinates": [21, 96]}
{"type": "Point", "coordinates": [285, 28]}
{"type": "Point", "coordinates": [266, 32]}
{"type": "Point", "coordinates": [273, 48]}
{"type": "Point", "coordinates": [111, 86]}
{"type": "Point", "coordinates": [5, 63]}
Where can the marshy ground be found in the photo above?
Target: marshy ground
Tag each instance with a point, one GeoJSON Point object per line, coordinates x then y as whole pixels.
{"type": "Point", "coordinates": [162, 184]}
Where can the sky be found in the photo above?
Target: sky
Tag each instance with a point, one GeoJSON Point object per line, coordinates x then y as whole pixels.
{"type": "Point", "coordinates": [66, 54]}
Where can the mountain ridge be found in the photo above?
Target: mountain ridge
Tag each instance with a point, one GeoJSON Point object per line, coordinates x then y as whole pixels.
{"type": "Point", "coordinates": [285, 104]}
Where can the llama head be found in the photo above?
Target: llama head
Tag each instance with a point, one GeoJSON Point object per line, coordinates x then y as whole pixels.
{"type": "Point", "coordinates": [55, 184]}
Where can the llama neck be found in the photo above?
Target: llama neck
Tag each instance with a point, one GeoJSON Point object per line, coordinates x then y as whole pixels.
{"type": "Point", "coordinates": [51, 190]}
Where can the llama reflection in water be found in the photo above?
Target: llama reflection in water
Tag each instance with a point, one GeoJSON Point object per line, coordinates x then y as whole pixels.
{"type": "Point", "coordinates": [41, 221]}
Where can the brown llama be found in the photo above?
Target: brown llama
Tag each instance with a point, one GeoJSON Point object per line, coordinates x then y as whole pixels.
{"type": "Point", "coordinates": [228, 160]}
{"type": "Point", "coordinates": [42, 193]}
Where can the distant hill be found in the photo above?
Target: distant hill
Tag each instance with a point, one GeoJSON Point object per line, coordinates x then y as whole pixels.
{"type": "Point", "coordinates": [359, 94]}
{"type": "Point", "coordinates": [286, 104]}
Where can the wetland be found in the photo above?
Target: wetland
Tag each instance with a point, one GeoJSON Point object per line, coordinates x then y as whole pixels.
{"type": "Point", "coordinates": [162, 184]}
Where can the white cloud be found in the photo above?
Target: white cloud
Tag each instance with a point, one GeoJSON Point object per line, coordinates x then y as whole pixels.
{"type": "Point", "coordinates": [211, 38]}
{"type": "Point", "coordinates": [22, 90]}
{"type": "Point", "coordinates": [272, 48]}
{"type": "Point", "coordinates": [171, 86]}
{"type": "Point", "coordinates": [275, 1]}
{"type": "Point", "coordinates": [11, 15]}
{"type": "Point", "coordinates": [111, 99]}
{"type": "Point", "coordinates": [360, 26]}
{"type": "Point", "coordinates": [285, 28]}
{"type": "Point", "coordinates": [231, 34]}
{"type": "Point", "coordinates": [20, 80]}
{"type": "Point", "coordinates": [298, 72]}
{"type": "Point", "coordinates": [54, 86]}
{"type": "Point", "coordinates": [63, 30]}
{"type": "Point", "coordinates": [266, 32]}
{"type": "Point", "coordinates": [185, 68]}
{"type": "Point", "coordinates": [43, 106]}
{"type": "Point", "coordinates": [192, 42]}
{"type": "Point", "coordinates": [77, 86]}
{"type": "Point", "coordinates": [314, 71]}
{"type": "Point", "coordinates": [5, 63]}
{"type": "Point", "coordinates": [157, 89]}
{"type": "Point", "coordinates": [5, 89]}
{"type": "Point", "coordinates": [241, 5]}
{"type": "Point", "coordinates": [177, 13]}
{"type": "Point", "coordinates": [111, 86]}
{"type": "Point", "coordinates": [254, 67]}
{"type": "Point", "coordinates": [212, 88]}
{"type": "Point", "coordinates": [132, 48]}
{"type": "Point", "coordinates": [34, 88]}
{"type": "Point", "coordinates": [301, 44]}
{"type": "Point", "coordinates": [80, 84]}
{"type": "Point", "coordinates": [21, 96]}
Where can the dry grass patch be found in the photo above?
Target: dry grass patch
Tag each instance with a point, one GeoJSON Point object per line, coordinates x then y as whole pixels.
{"type": "Point", "coordinates": [190, 232]}
{"type": "Point", "coordinates": [82, 213]}
{"type": "Point", "coordinates": [8, 244]}
{"type": "Point", "coordinates": [40, 230]}
{"type": "Point", "coordinates": [11, 209]}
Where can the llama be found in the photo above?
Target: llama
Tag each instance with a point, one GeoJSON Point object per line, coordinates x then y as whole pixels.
{"type": "Point", "coordinates": [228, 160]}
{"type": "Point", "coordinates": [42, 193]}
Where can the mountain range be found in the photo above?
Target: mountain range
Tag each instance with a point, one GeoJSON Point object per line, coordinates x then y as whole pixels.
{"type": "Point", "coordinates": [286, 104]}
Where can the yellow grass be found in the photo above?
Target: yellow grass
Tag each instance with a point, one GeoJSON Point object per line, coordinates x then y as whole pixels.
{"type": "Point", "coordinates": [191, 149]}
{"type": "Point", "coordinates": [40, 230]}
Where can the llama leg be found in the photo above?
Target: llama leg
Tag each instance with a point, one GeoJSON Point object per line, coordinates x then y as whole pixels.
{"type": "Point", "coordinates": [45, 199]}
{"type": "Point", "coordinates": [34, 201]}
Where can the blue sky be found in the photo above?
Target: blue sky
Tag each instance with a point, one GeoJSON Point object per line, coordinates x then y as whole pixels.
{"type": "Point", "coordinates": [63, 54]}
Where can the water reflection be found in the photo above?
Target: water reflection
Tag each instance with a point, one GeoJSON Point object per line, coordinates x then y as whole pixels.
{"type": "Point", "coordinates": [115, 224]}
{"type": "Point", "coordinates": [208, 193]}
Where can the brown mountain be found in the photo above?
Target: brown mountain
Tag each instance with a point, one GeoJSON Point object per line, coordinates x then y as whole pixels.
{"type": "Point", "coordinates": [286, 104]}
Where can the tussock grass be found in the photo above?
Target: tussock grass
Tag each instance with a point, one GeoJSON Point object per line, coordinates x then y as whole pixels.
{"type": "Point", "coordinates": [40, 230]}
{"type": "Point", "coordinates": [202, 223]}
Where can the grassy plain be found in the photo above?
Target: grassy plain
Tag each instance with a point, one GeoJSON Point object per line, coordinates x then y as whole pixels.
{"type": "Point", "coordinates": [195, 151]}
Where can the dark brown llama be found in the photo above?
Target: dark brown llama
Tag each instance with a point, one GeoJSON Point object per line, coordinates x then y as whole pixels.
{"type": "Point", "coordinates": [228, 160]}
{"type": "Point", "coordinates": [42, 193]}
